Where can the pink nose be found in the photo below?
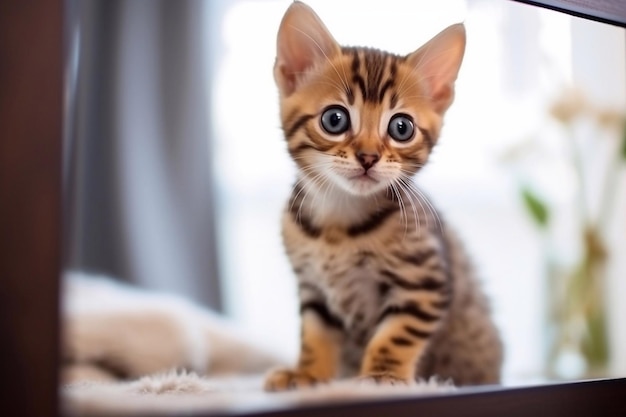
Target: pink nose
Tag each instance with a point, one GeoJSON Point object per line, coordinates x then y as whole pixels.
{"type": "Point", "coordinates": [367, 160]}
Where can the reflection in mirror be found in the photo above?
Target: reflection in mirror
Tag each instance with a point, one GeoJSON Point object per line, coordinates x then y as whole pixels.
{"type": "Point", "coordinates": [178, 173]}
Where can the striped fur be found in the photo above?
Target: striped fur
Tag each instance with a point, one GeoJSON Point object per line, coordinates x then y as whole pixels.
{"type": "Point", "coordinates": [386, 291]}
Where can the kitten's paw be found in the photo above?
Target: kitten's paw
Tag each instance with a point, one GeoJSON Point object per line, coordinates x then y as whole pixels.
{"type": "Point", "coordinates": [287, 379]}
{"type": "Point", "coordinates": [384, 379]}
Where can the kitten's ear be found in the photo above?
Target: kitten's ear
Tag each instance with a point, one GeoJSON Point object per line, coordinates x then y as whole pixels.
{"type": "Point", "coordinates": [303, 40]}
{"type": "Point", "coordinates": [438, 62]}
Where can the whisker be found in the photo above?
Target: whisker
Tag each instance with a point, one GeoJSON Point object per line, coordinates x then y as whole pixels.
{"type": "Point", "coordinates": [327, 184]}
{"type": "Point", "coordinates": [416, 218]}
{"type": "Point", "coordinates": [318, 152]}
{"type": "Point", "coordinates": [411, 190]}
{"type": "Point", "coordinates": [421, 197]}
{"type": "Point", "coordinates": [410, 173]}
{"type": "Point", "coordinates": [293, 201]}
{"type": "Point", "coordinates": [403, 216]}
{"type": "Point", "coordinates": [314, 182]}
{"type": "Point", "coordinates": [302, 181]}
{"type": "Point", "coordinates": [432, 208]}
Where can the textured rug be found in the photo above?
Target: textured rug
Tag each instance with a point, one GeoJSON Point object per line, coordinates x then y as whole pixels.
{"type": "Point", "coordinates": [132, 351]}
{"type": "Point", "coordinates": [183, 393]}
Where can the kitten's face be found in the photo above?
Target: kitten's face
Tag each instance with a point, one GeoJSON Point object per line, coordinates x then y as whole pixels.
{"type": "Point", "coordinates": [367, 125]}
{"type": "Point", "coordinates": [360, 119]}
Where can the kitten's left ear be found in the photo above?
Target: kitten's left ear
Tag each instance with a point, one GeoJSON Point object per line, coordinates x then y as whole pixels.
{"type": "Point", "coordinates": [438, 62]}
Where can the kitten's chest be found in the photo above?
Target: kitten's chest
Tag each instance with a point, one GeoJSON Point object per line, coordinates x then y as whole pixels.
{"type": "Point", "coordinates": [347, 273]}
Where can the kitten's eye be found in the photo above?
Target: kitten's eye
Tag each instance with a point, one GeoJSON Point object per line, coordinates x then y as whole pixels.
{"type": "Point", "coordinates": [335, 120]}
{"type": "Point", "coordinates": [401, 127]}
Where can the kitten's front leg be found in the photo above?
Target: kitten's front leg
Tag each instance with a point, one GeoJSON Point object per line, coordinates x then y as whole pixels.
{"type": "Point", "coordinates": [320, 348]}
{"type": "Point", "coordinates": [402, 334]}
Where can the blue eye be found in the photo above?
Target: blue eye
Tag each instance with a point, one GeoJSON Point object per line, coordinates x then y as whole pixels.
{"type": "Point", "coordinates": [401, 128]}
{"type": "Point", "coordinates": [335, 120]}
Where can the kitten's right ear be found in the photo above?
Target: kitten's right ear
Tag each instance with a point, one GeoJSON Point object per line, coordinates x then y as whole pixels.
{"type": "Point", "coordinates": [438, 61]}
{"type": "Point", "coordinates": [303, 41]}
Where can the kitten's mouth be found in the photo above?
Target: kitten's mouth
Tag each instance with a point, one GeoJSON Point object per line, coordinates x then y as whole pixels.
{"type": "Point", "coordinates": [361, 183]}
{"type": "Point", "coordinates": [364, 177]}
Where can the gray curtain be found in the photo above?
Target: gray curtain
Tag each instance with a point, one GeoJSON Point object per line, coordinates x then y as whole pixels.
{"type": "Point", "coordinates": [137, 157]}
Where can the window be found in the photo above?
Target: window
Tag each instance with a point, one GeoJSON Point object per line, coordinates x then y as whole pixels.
{"type": "Point", "coordinates": [518, 60]}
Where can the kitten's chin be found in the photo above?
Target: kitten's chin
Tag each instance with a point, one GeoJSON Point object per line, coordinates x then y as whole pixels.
{"type": "Point", "coordinates": [362, 185]}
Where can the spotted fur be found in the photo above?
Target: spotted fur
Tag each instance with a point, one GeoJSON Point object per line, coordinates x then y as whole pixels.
{"type": "Point", "coordinates": [386, 291]}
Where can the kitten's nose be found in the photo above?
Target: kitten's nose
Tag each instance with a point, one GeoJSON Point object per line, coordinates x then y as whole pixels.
{"type": "Point", "coordinates": [367, 160]}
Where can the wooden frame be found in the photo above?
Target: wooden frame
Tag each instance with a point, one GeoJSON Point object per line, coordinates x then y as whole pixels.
{"type": "Point", "coordinates": [607, 11]}
{"type": "Point", "coordinates": [31, 103]}
{"type": "Point", "coordinates": [590, 398]}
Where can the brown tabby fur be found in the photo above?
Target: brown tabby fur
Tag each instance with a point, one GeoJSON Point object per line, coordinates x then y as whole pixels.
{"type": "Point", "coordinates": [386, 291]}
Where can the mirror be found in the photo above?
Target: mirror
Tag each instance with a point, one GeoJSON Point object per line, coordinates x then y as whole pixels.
{"type": "Point", "coordinates": [529, 170]}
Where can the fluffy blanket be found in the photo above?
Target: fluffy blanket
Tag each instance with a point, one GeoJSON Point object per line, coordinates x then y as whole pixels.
{"type": "Point", "coordinates": [132, 351]}
{"type": "Point", "coordinates": [174, 393]}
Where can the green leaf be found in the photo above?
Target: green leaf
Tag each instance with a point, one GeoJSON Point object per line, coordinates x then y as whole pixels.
{"type": "Point", "coordinates": [536, 207]}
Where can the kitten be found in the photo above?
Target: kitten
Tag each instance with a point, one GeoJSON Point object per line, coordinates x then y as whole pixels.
{"type": "Point", "coordinates": [386, 291]}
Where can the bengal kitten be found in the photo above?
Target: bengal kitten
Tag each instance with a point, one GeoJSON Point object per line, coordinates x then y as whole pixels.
{"type": "Point", "coordinates": [386, 291]}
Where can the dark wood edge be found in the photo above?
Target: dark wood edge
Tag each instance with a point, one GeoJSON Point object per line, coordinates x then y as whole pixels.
{"type": "Point", "coordinates": [597, 398]}
{"type": "Point", "coordinates": [31, 100]}
{"type": "Point", "coordinates": [612, 12]}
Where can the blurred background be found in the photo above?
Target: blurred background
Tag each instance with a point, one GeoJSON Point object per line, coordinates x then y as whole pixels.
{"type": "Point", "coordinates": [177, 173]}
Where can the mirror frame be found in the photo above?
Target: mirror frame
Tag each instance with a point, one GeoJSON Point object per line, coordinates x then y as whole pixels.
{"type": "Point", "coordinates": [31, 206]}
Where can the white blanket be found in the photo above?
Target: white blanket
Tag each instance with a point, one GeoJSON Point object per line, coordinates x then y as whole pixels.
{"type": "Point", "coordinates": [127, 350]}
